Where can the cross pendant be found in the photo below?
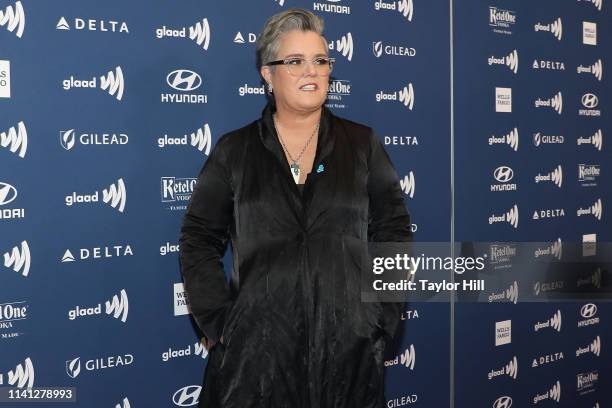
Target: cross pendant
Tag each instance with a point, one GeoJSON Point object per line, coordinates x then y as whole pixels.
{"type": "Point", "coordinates": [295, 171]}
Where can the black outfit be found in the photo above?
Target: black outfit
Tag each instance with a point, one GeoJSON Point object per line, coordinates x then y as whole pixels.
{"type": "Point", "coordinates": [295, 331]}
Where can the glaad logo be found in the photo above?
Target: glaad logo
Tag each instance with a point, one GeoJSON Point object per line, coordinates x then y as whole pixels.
{"type": "Point", "coordinates": [511, 139]}
{"type": "Point", "coordinates": [8, 194]}
{"type": "Point", "coordinates": [589, 33]}
{"type": "Point", "coordinates": [555, 250]}
{"type": "Point", "coordinates": [98, 253]}
{"type": "Point", "coordinates": [15, 139]}
{"type": "Point", "coordinates": [73, 367]}
{"type": "Point", "coordinates": [596, 69]}
{"type": "Point", "coordinates": [589, 101]}
{"type": "Point", "coordinates": [503, 332]}
{"type": "Point", "coordinates": [5, 79]}
{"type": "Point", "coordinates": [511, 217]}
{"type": "Point", "coordinates": [556, 103]}
{"type": "Point", "coordinates": [593, 280]}
{"type": "Point", "coordinates": [549, 65]}
{"type": "Point", "coordinates": [596, 3]}
{"type": "Point", "coordinates": [198, 350]}
{"type": "Point", "coordinates": [555, 28]}
{"type": "Point", "coordinates": [407, 358]}
{"type": "Point", "coordinates": [511, 61]}
{"type": "Point", "coordinates": [199, 32]}
{"type": "Point", "coordinates": [539, 139]}
{"type": "Point", "coordinates": [118, 307]}
{"type": "Point", "coordinates": [200, 139]}
{"type": "Point", "coordinates": [503, 99]}
{"type": "Point", "coordinates": [510, 369]}
{"type": "Point", "coordinates": [280, 2]}
{"type": "Point", "coordinates": [69, 138]}
{"type": "Point", "coordinates": [503, 402]}
{"type": "Point", "coordinates": [503, 174]}
{"type": "Point", "coordinates": [585, 382]}
{"type": "Point", "coordinates": [94, 25]}
{"type": "Point", "coordinates": [594, 347]}
{"type": "Point", "coordinates": [123, 404]}
{"type": "Point", "coordinates": [113, 83]}
{"type": "Point", "coordinates": [239, 39]}
{"type": "Point", "coordinates": [184, 80]}
{"type": "Point", "coordinates": [168, 248]}
{"type": "Point", "coordinates": [554, 393]}
{"type": "Point", "coordinates": [378, 48]}
{"type": "Point", "coordinates": [555, 176]}
{"type": "Point", "coordinates": [21, 377]}
{"type": "Point", "coordinates": [588, 312]}
{"type": "Point", "coordinates": [13, 18]}
{"type": "Point", "coordinates": [404, 96]}
{"type": "Point", "coordinates": [189, 396]}
{"type": "Point", "coordinates": [509, 295]}
{"type": "Point", "coordinates": [18, 259]}
{"type": "Point", "coordinates": [115, 196]}
{"type": "Point", "coordinates": [344, 46]}
{"type": "Point", "coordinates": [546, 359]}
{"type": "Point", "coordinates": [331, 8]}
{"type": "Point", "coordinates": [251, 90]}
{"type": "Point", "coordinates": [404, 7]}
{"type": "Point", "coordinates": [595, 210]}
{"type": "Point", "coordinates": [408, 184]}
{"type": "Point", "coordinates": [554, 322]}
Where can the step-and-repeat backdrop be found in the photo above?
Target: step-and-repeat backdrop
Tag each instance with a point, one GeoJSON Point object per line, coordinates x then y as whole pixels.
{"type": "Point", "coordinates": [108, 110]}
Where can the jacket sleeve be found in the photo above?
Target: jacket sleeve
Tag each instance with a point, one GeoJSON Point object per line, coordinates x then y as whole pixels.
{"type": "Point", "coordinates": [388, 219]}
{"type": "Point", "coordinates": [203, 242]}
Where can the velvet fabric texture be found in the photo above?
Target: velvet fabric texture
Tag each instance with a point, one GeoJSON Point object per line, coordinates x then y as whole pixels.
{"type": "Point", "coordinates": [295, 330]}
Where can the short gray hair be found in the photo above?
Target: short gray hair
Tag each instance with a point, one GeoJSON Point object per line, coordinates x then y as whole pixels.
{"type": "Point", "coordinates": [281, 23]}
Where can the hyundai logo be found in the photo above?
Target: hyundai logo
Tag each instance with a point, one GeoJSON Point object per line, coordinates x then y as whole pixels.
{"type": "Point", "coordinates": [184, 80]}
{"type": "Point", "coordinates": [503, 174]}
{"type": "Point", "coordinates": [589, 100]}
{"type": "Point", "coordinates": [187, 396]}
{"type": "Point", "coordinates": [503, 402]}
{"type": "Point", "coordinates": [7, 193]}
{"type": "Point", "coordinates": [589, 310]}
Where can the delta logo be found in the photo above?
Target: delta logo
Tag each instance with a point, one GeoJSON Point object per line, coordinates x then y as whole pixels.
{"type": "Point", "coordinates": [107, 26]}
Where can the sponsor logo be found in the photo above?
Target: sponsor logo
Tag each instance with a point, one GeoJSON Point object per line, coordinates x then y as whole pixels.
{"type": "Point", "coordinates": [190, 395]}
{"type": "Point", "coordinates": [89, 24]}
{"type": "Point", "coordinates": [510, 369]}
{"type": "Point", "coordinates": [339, 89]}
{"type": "Point", "coordinates": [503, 99]}
{"type": "Point", "coordinates": [511, 139]}
{"type": "Point", "coordinates": [199, 32]}
{"type": "Point", "coordinates": [177, 192]}
{"type": "Point", "coordinates": [503, 175]}
{"type": "Point", "coordinates": [73, 367]}
{"type": "Point", "coordinates": [408, 184]}
{"type": "Point", "coordinates": [509, 295]}
{"type": "Point", "coordinates": [556, 103]}
{"type": "Point", "coordinates": [546, 359]}
{"type": "Point", "coordinates": [70, 138]}
{"type": "Point", "coordinates": [593, 280]}
{"type": "Point", "coordinates": [540, 139]}
{"type": "Point", "coordinates": [503, 332]}
{"type": "Point", "coordinates": [511, 217]}
{"type": "Point", "coordinates": [588, 174]}
{"type": "Point", "coordinates": [550, 286]}
{"type": "Point", "coordinates": [404, 7]}
{"type": "Point", "coordinates": [409, 314]}
{"type": "Point", "coordinates": [117, 306]}
{"type": "Point", "coordinates": [169, 248]}
{"type": "Point", "coordinates": [596, 69]}
{"type": "Point", "coordinates": [511, 61]}
{"type": "Point", "coordinates": [21, 377]}
{"type": "Point", "coordinates": [589, 244]}
{"type": "Point", "coordinates": [251, 90]}
{"type": "Point", "coordinates": [595, 210]}
{"type": "Point", "coordinates": [401, 140]}
{"type": "Point", "coordinates": [501, 255]}
{"type": "Point", "coordinates": [13, 18]}
{"type": "Point", "coordinates": [596, 3]}
{"type": "Point", "coordinates": [503, 402]}
{"type": "Point", "coordinates": [550, 213]}
{"type": "Point", "coordinates": [554, 250]}
{"type": "Point", "coordinates": [405, 96]}
{"type": "Point", "coordinates": [548, 65]}
{"type": "Point", "coordinates": [200, 139]}
{"type": "Point", "coordinates": [15, 139]}
{"type": "Point", "coordinates": [18, 259]}
{"type": "Point", "coordinates": [555, 176]}
{"type": "Point", "coordinates": [185, 81]}
{"type": "Point", "coordinates": [197, 349]}
{"type": "Point", "coordinates": [5, 78]}
{"type": "Point", "coordinates": [123, 404]}
{"type": "Point", "coordinates": [554, 323]}
{"type": "Point", "coordinates": [378, 48]}
{"type": "Point", "coordinates": [181, 302]}
{"type": "Point", "coordinates": [593, 347]}
{"type": "Point", "coordinates": [113, 83]}
{"type": "Point", "coordinates": [12, 314]}
{"type": "Point", "coordinates": [8, 194]}
{"type": "Point", "coordinates": [589, 33]}
{"type": "Point", "coordinates": [251, 38]}
{"type": "Point", "coordinates": [501, 21]}
{"type": "Point", "coordinates": [555, 28]}
{"type": "Point", "coordinates": [588, 312]}
{"type": "Point", "coordinates": [585, 382]}
{"type": "Point", "coordinates": [590, 102]}
{"type": "Point", "coordinates": [115, 196]}
{"type": "Point", "coordinates": [105, 252]}
{"type": "Point", "coordinates": [344, 46]}
{"type": "Point", "coordinates": [406, 359]}
{"type": "Point", "coordinates": [554, 393]}
{"type": "Point", "coordinates": [331, 8]}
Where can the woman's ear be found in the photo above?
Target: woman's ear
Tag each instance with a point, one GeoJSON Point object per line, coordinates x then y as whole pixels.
{"type": "Point", "coordinates": [265, 73]}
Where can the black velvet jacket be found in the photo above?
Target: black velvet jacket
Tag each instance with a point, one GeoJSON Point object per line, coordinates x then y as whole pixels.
{"type": "Point", "coordinates": [295, 331]}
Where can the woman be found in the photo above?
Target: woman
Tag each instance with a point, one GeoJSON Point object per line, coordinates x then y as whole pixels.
{"type": "Point", "coordinates": [299, 192]}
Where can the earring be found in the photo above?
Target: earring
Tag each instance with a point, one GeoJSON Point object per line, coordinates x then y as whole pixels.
{"type": "Point", "coordinates": [269, 87]}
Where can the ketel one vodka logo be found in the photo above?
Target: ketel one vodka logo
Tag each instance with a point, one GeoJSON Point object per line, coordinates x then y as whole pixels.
{"type": "Point", "coordinates": [199, 32]}
{"type": "Point", "coordinates": [200, 139]}
{"type": "Point", "coordinates": [554, 322]}
{"type": "Point", "coordinates": [511, 61]}
{"type": "Point", "coordinates": [408, 184]}
{"type": "Point", "coordinates": [117, 306]}
{"type": "Point", "coordinates": [555, 28]}
{"type": "Point", "coordinates": [177, 191]}
{"type": "Point", "coordinates": [344, 46]}
{"type": "Point", "coordinates": [510, 369]}
{"type": "Point", "coordinates": [15, 140]}
{"type": "Point", "coordinates": [405, 96]}
{"type": "Point", "coordinates": [511, 139]}
{"type": "Point", "coordinates": [555, 176]}
{"type": "Point", "coordinates": [554, 393]}
{"type": "Point", "coordinates": [21, 377]}
{"type": "Point", "coordinates": [594, 347]}
{"type": "Point", "coordinates": [73, 367]}
{"type": "Point", "coordinates": [555, 102]}
{"type": "Point", "coordinates": [12, 18]}
{"type": "Point", "coordinates": [596, 69]}
{"type": "Point", "coordinates": [8, 194]}
{"type": "Point", "coordinates": [186, 82]}
{"type": "Point", "coordinates": [511, 216]}
{"type": "Point", "coordinates": [585, 382]}
{"type": "Point", "coordinates": [12, 314]}
{"type": "Point", "coordinates": [595, 210]}
{"type": "Point", "coordinates": [404, 7]}
{"type": "Point", "coordinates": [595, 139]}
{"type": "Point", "coordinates": [406, 359]}
{"type": "Point", "coordinates": [115, 196]}
{"type": "Point", "coordinates": [18, 259]}
{"type": "Point", "coordinates": [113, 83]}
{"type": "Point", "coordinates": [70, 138]}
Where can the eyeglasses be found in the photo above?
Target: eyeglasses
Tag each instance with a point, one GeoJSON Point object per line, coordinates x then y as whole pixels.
{"type": "Point", "coordinates": [298, 66]}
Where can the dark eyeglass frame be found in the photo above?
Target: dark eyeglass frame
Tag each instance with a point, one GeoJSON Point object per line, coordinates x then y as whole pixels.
{"type": "Point", "coordinates": [286, 61]}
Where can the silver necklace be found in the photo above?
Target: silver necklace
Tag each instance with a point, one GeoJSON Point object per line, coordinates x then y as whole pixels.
{"type": "Point", "coordinates": [295, 165]}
